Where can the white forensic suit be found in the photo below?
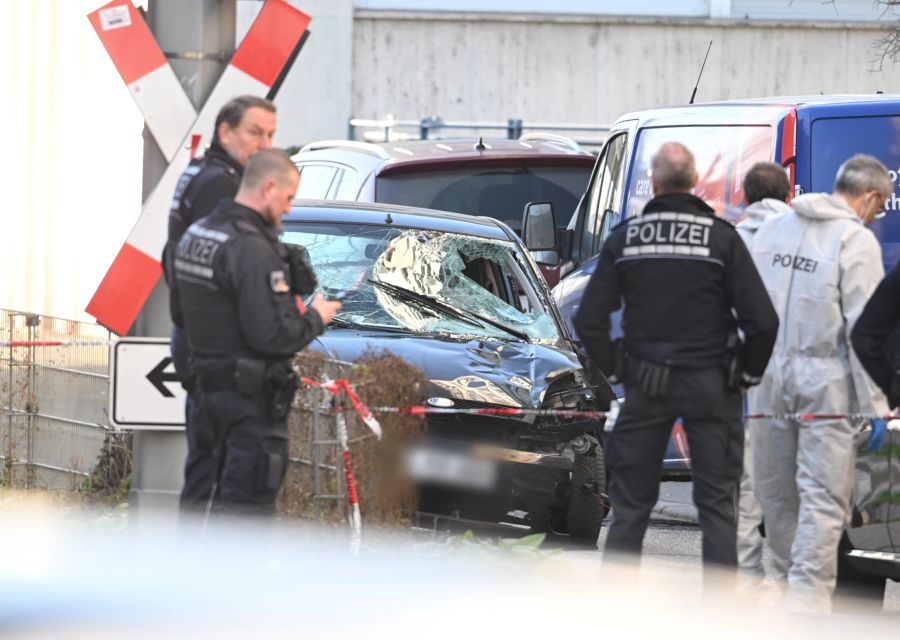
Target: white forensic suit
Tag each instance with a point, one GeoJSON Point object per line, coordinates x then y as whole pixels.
{"type": "Point", "coordinates": [820, 265]}
{"type": "Point", "coordinates": [750, 516]}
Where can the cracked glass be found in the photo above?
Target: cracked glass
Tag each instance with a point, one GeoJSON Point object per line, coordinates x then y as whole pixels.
{"type": "Point", "coordinates": [425, 281]}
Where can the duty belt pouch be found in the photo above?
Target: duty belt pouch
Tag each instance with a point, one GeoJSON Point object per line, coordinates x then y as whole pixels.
{"type": "Point", "coordinates": [250, 376]}
{"type": "Point", "coordinates": [734, 362]}
{"type": "Point", "coordinates": [653, 378]}
{"type": "Point", "coordinates": [282, 383]}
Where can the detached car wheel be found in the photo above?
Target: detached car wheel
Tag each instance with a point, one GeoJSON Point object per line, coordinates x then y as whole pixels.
{"type": "Point", "coordinates": [587, 505]}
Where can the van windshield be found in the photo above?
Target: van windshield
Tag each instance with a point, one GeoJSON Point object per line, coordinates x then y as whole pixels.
{"type": "Point", "coordinates": [723, 154]}
{"type": "Point", "coordinates": [500, 192]}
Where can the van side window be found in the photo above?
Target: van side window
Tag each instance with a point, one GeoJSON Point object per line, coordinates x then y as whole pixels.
{"type": "Point", "coordinates": [345, 185]}
{"type": "Point", "coordinates": [606, 193]}
{"type": "Point", "coordinates": [315, 180]}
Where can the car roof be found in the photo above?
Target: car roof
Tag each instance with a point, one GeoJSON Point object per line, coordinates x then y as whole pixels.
{"type": "Point", "coordinates": [336, 211]}
{"type": "Point", "coordinates": [750, 110]}
{"type": "Point", "coordinates": [400, 155]}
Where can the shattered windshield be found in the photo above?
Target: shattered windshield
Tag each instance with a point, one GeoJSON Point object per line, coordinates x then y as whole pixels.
{"type": "Point", "coordinates": [426, 281]}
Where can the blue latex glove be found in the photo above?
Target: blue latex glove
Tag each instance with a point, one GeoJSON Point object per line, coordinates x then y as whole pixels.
{"type": "Point", "coordinates": [876, 438]}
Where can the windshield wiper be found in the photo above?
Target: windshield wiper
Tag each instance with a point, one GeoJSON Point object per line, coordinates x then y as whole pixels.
{"type": "Point", "coordinates": [343, 323]}
{"type": "Point", "coordinates": [460, 314]}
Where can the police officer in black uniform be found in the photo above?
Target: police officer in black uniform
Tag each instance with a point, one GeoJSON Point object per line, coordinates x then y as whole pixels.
{"type": "Point", "coordinates": [244, 126]}
{"type": "Point", "coordinates": [876, 336]}
{"type": "Point", "coordinates": [688, 283]}
{"type": "Point", "coordinates": [236, 289]}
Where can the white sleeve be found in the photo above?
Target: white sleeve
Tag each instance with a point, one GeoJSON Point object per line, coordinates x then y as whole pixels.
{"type": "Point", "coordinates": [860, 272]}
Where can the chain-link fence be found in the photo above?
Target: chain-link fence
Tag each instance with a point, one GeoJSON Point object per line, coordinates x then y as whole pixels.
{"type": "Point", "coordinates": [54, 428]}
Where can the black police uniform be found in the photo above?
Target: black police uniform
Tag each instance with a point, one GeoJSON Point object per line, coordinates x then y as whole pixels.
{"type": "Point", "coordinates": [243, 327]}
{"type": "Point", "coordinates": [688, 283]}
{"type": "Point", "coordinates": [876, 336]}
{"type": "Point", "coordinates": [204, 184]}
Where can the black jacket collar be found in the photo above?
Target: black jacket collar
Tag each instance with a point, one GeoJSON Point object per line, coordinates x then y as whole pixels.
{"type": "Point", "coordinates": [216, 151]}
{"type": "Point", "coordinates": [679, 203]}
{"type": "Point", "coordinates": [249, 216]}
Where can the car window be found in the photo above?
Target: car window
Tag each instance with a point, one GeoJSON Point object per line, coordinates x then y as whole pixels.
{"type": "Point", "coordinates": [605, 196]}
{"type": "Point", "coordinates": [498, 191]}
{"type": "Point", "coordinates": [472, 276]}
{"type": "Point", "coordinates": [345, 182]}
{"type": "Point", "coordinates": [834, 140]}
{"type": "Point", "coordinates": [723, 155]}
{"type": "Point", "coordinates": [315, 180]}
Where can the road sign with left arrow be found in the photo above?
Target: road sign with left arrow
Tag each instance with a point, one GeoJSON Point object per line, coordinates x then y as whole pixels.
{"type": "Point", "coordinates": [144, 391]}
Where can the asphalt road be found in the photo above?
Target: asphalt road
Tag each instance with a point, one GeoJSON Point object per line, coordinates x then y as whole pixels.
{"type": "Point", "coordinates": [673, 548]}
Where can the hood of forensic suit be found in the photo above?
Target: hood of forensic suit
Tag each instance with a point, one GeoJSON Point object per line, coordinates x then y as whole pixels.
{"type": "Point", "coordinates": [822, 206]}
{"type": "Point", "coordinates": [756, 213]}
{"type": "Point", "coordinates": [483, 371]}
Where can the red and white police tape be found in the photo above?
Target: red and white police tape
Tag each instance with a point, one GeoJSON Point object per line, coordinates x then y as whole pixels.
{"type": "Point", "coordinates": [366, 413]}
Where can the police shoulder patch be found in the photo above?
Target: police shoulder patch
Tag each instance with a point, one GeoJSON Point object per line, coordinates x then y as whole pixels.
{"type": "Point", "coordinates": [278, 282]}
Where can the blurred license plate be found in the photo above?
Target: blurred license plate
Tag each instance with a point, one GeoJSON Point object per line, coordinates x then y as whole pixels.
{"type": "Point", "coordinates": [451, 468]}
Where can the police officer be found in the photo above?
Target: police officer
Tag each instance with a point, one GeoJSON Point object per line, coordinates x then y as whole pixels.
{"type": "Point", "coordinates": [875, 336]}
{"type": "Point", "coordinates": [688, 283]}
{"type": "Point", "coordinates": [244, 126]}
{"type": "Point", "coordinates": [236, 292]}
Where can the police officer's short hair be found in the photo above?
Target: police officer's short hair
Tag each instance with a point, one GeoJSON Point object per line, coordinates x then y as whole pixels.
{"type": "Point", "coordinates": [863, 173]}
{"type": "Point", "coordinates": [264, 165]}
{"type": "Point", "coordinates": [235, 109]}
{"type": "Point", "coordinates": [766, 180]}
{"type": "Point", "coordinates": [673, 168]}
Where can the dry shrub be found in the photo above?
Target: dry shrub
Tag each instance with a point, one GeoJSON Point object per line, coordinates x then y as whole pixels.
{"type": "Point", "coordinates": [386, 499]}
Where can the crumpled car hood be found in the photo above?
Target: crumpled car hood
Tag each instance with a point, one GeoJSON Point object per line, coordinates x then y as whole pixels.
{"type": "Point", "coordinates": [512, 374]}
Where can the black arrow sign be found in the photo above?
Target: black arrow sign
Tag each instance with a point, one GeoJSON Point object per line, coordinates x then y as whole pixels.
{"type": "Point", "coordinates": [158, 377]}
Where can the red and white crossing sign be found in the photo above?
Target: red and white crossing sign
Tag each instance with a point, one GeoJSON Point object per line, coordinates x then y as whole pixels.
{"type": "Point", "coordinates": [256, 68]}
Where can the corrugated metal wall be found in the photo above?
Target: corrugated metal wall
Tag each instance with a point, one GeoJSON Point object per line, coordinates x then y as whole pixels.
{"type": "Point", "coordinates": [71, 157]}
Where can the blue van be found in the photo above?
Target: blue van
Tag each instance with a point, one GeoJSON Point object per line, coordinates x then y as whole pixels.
{"type": "Point", "coordinates": [810, 137]}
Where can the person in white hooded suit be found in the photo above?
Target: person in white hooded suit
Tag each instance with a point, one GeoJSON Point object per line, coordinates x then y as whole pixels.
{"type": "Point", "coordinates": [766, 190]}
{"type": "Point", "coordinates": [820, 265]}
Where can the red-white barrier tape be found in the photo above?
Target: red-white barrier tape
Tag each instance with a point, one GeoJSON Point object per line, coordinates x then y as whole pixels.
{"type": "Point", "coordinates": [335, 387]}
{"type": "Point", "coordinates": [352, 496]}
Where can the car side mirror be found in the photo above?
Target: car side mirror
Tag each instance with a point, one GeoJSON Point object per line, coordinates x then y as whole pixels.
{"type": "Point", "coordinates": [539, 227]}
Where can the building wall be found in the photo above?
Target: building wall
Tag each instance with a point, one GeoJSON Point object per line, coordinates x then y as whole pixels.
{"type": "Point", "coordinates": [71, 164]}
{"type": "Point", "coordinates": [592, 69]}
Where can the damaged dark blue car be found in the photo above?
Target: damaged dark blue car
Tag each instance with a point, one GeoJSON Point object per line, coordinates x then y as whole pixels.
{"type": "Point", "coordinates": [461, 299]}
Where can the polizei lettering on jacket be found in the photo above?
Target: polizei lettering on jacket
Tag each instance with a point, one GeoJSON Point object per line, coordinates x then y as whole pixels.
{"type": "Point", "coordinates": [797, 263]}
{"type": "Point", "coordinates": [196, 251]}
{"type": "Point", "coordinates": [668, 234]}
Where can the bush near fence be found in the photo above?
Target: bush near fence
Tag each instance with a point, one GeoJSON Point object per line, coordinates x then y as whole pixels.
{"type": "Point", "coordinates": [385, 497]}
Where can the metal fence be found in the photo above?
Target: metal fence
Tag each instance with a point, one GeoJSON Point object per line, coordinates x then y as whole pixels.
{"type": "Point", "coordinates": [54, 402]}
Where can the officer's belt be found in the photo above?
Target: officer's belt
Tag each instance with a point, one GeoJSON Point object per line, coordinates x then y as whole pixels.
{"type": "Point", "coordinates": [221, 380]}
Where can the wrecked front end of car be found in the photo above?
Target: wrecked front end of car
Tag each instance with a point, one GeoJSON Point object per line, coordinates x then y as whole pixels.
{"type": "Point", "coordinates": [472, 314]}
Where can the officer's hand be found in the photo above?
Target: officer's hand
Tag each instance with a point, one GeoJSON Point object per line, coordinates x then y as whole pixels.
{"type": "Point", "coordinates": [876, 439]}
{"type": "Point", "coordinates": [325, 308]}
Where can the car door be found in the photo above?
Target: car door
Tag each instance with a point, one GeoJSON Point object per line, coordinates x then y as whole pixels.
{"type": "Point", "coordinates": [893, 510]}
{"type": "Point", "coordinates": [600, 208]}
{"type": "Point", "coordinates": [874, 511]}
